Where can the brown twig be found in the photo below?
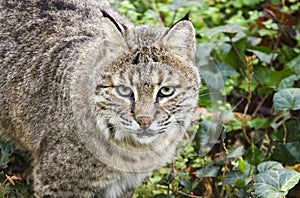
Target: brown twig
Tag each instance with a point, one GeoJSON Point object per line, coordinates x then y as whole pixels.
{"type": "Point", "coordinates": [259, 105]}
{"type": "Point", "coordinates": [238, 53]}
{"type": "Point", "coordinates": [237, 104]}
{"type": "Point", "coordinates": [185, 194]}
{"type": "Point", "coordinates": [179, 192]}
{"type": "Point", "coordinates": [275, 48]}
{"type": "Point", "coordinates": [243, 61]}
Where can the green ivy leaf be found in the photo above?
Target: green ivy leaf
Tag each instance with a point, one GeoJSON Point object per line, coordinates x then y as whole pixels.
{"type": "Point", "coordinates": [226, 70]}
{"type": "Point", "coordinates": [269, 165]}
{"type": "Point", "coordinates": [265, 90]}
{"type": "Point", "coordinates": [212, 76]}
{"type": "Point", "coordinates": [208, 170]}
{"type": "Point", "coordinates": [242, 165]}
{"type": "Point", "coordinates": [254, 156]}
{"type": "Point", "coordinates": [6, 148]}
{"type": "Point", "coordinates": [275, 183]}
{"type": "Point", "coordinates": [203, 51]}
{"type": "Point", "coordinates": [262, 73]}
{"type": "Point", "coordinates": [166, 179]}
{"type": "Point", "coordinates": [287, 153]}
{"type": "Point", "coordinates": [277, 76]}
{"type": "Point", "coordinates": [266, 32]}
{"type": "Point", "coordinates": [240, 183]}
{"type": "Point", "coordinates": [233, 176]}
{"type": "Point", "coordinates": [188, 184]}
{"type": "Point", "coordinates": [231, 28]}
{"type": "Point", "coordinates": [260, 123]}
{"type": "Point", "coordinates": [288, 82]}
{"type": "Point", "coordinates": [270, 24]}
{"type": "Point", "coordinates": [287, 99]}
{"type": "Point", "coordinates": [267, 58]}
{"type": "Point", "coordinates": [294, 64]}
{"type": "Point", "coordinates": [236, 153]}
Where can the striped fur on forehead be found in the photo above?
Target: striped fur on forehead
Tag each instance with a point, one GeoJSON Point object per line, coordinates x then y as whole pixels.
{"type": "Point", "coordinates": [156, 74]}
{"type": "Point", "coordinates": [148, 55]}
{"type": "Point", "coordinates": [143, 75]}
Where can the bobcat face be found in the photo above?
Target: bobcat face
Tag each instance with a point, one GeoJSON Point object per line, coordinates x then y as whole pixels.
{"type": "Point", "coordinates": [145, 99]}
{"type": "Point", "coordinates": [144, 84]}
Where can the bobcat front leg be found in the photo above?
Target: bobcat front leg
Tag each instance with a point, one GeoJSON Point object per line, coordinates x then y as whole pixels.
{"type": "Point", "coordinates": [63, 169]}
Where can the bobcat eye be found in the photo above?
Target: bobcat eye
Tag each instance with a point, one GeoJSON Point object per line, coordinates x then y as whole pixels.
{"type": "Point", "coordinates": [124, 91]}
{"type": "Point", "coordinates": [166, 92]}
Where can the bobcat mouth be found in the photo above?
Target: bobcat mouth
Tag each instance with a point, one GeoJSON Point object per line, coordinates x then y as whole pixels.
{"type": "Point", "coordinates": [147, 132]}
{"type": "Point", "coordinates": [145, 136]}
{"type": "Point", "coordinates": [144, 133]}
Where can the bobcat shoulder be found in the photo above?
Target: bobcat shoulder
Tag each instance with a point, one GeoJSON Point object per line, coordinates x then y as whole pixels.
{"type": "Point", "coordinates": [98, 102]}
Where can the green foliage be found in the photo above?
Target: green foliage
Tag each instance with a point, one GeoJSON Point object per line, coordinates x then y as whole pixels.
{"type": "Point", "coordinates": [249, 59]}
{"type": "Point", "coordinates": [14, 166]}
{"type": "Point", "coordinates": [273, 180]}
{"type": "Point", "coordinates": [287, 99]}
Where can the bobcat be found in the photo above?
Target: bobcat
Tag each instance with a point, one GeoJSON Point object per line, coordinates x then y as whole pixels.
{"type": "Point", "coordinates": [98, 102]}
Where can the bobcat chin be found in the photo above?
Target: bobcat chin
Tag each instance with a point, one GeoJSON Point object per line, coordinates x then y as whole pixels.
{"type": "Point", "coordinates": [98, 102]}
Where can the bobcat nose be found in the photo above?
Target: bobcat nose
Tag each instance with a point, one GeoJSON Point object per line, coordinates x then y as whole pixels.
{"type": "Point", "coordinates": [144, 121]}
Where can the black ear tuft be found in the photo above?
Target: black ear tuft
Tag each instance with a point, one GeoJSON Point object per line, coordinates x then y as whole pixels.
{"type": "Point", "coordinates": [185, 18]}
{"type": "Point", "coordinates": [105, 14]}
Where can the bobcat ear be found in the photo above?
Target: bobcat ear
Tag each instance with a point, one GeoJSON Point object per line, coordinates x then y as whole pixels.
{"type": "Point", "coordinates": [113, 34]}
{"type": "Point", "coordinates": [180, 38]}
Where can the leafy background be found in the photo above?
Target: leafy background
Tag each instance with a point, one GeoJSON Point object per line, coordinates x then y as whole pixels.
{"type": "Point", "coordinates": [246, 136]}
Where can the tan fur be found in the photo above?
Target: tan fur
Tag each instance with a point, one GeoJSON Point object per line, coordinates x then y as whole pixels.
{"type": "Point", "coordinates": [62, 64]}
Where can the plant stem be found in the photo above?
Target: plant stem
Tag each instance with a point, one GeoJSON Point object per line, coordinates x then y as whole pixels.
{"type": "Point", "coordinates": [243, 61]}
{"type": "Point", "coordinates": [225, 169]}
{"type": "Point", "coordinates": [249, 76]}
{"type": "Point", "coordinates": [284, 129]}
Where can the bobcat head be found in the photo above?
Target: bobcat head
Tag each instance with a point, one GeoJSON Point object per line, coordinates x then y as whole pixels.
{"type": "Point", "coordinates": [150, 87]}
{"type": "Point", "coordinates": [141, 86]}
